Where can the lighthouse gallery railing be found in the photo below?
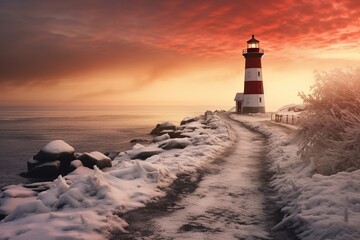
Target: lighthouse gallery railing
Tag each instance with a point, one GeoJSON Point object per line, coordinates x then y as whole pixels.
{"type": "Point", "coordinates": [253, 50]}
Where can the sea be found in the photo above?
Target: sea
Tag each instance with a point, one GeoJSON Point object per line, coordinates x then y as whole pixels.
{"type": "Point", "coordinates": [25, 130]}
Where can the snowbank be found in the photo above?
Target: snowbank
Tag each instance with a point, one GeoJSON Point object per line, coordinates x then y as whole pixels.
{"type": "Point", "coordinates": [86, 203]}
{"type": "Point", "coordinates": [289, 114]}
{"type": "Point", "coordinates": [316, 206]}
{"type": "Point", "coordinates": [291, 109]}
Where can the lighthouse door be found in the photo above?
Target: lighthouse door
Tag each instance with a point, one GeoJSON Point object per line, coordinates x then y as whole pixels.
{"type": "Point", "coordinates": [238, 106]}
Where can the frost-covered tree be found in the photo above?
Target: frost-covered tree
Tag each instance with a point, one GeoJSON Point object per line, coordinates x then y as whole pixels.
{"type": "Point", "coordinates": [329, 133]}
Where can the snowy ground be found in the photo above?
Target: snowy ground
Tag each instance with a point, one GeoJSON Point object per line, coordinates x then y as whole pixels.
{"type": "Point", "coordinates": [86, 203]}
{"type": "Point", "coordinates": [232, 201]}
{"type": "Point", "coordinates": [228, 203]}
{"type": "Point", "coordinates": [317, 206]}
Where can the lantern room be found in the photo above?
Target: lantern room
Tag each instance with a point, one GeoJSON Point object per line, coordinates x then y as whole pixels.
{"type": "Point", "coordinates": [253, 43]}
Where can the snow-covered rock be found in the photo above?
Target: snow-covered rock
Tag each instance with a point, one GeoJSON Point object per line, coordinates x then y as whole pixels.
{"type": "Point", "coordinates": [187, 120]}
{"type": "Point", "coordinates": [55, 150]}
{"type": "Point", "coordinates": [163, 126]}
{"type": "Point", "coordinates": [95, 159]}
{"type": "Point", "coordinates": [144, 152]}
{"type": "Point", "coordinates": [194, 125]}
{"type": "Point", "coordinates": [175, 143]}
{"type": "Point", "coordinates": [76, 164]}
{"type": "Point", "coordinates": [171, 133]}
{"type": "Point", "coordinates": [112, 155]}
{"type": "Point", "coordinates": [53, 159]}
{"type": "Point", "coordinates": [161, 137]}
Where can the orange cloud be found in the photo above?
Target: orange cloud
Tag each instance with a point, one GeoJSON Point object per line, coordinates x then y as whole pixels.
{"type": "Point", "coordinates": [48, 42]}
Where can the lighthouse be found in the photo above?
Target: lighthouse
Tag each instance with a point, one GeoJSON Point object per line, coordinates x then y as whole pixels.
{"type": "Point", "coordinates": [252, 100]}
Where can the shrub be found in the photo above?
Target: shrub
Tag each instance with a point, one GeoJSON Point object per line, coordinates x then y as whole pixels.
{"type": "Point", "coordinates": [329, 133]}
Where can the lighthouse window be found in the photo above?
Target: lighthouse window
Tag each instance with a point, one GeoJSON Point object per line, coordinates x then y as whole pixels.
{"type": "Point", "coordinates": [259, 99]}
{"type": "Point", "coordinates": [259, 74]}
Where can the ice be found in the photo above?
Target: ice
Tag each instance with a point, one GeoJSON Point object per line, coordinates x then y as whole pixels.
{"type": "Point", "coordinates": [14, 195]}
{"type": "Point", "coordinates": [147, 171]}
{"type": "Point", "coordinates": [17, 191]}
{"type": "Point", "coordinates": [57, 146]}
{"type": "Point", "coordinates": [31, 207]}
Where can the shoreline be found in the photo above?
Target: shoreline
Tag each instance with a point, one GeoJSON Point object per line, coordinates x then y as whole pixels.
{"type": "Point", "coordinates": [205, 138]}
{"type": "Point", "coordinates": [109, 129]}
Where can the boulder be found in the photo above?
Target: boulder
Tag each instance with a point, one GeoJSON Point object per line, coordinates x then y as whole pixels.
{"type": "Point", "coordinates": [161, 137]}
{"type": "Point", "coordinates": [171, 133]}
{"type": "Point", "coordinates": [175, 143]}
{"type": "Point", "coordinates": [56, 150]}
{"type": "Point", "coordinates": [208, 114]}
{"type": "Point", "coordinates": [189, 120]}
{"type": "Point", "coordinates": [45, 170]}
{"type": "Point", "coordinates": [95, 158]}
{"type": "Point", "coordinates": [112, 155]}
{"type": "Point", "coordinates": [138, 140]}
{"type": "Point", "coordinates": [144, 152]}
{"type": "Point", "coordinates": [31, 163]}
{"type": "Point", "coordinates": [163, 126]}
{"type": "Point", "coordinates": [194, 125]}
{"type": "Point", "coordinates": [74, 165]}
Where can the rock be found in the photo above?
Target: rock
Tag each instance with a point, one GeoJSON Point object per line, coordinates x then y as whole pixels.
{"type": "Point", "coordinates": [208, 114]}
{"type": "Point", "coordinates": [175, 143]}
{"type": "Point", "coordinates": [163, 126]}
{"type": "Point", "coordinates": [112, 155]}
{"type": "Point", "coordinates": [138, 140]}
{"type": "Point", "coordinates": [194, 125]}
{"type": "Point", "coordinates": [161, 137]}
{"type": "Point", "coordinates": [144, 153]}
{"type": "Point", "coordinates": [74, 165]}
{"type": "Point", "coordinates": [56, 150]}
{"type": "Point", "coordinates": [189, 120]}
{"type": "Point", "coordinates": [31, 163]}
{"type": "Point", "coordinates": [95, 158]}
{"type": "Point", "coordinates": [45, 170]}
{"type": "Point", "coordinates": [172, 134]}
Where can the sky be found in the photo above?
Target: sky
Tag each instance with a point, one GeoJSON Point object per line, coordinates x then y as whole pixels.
{"type": "Point", "coordinates": [152, 52]}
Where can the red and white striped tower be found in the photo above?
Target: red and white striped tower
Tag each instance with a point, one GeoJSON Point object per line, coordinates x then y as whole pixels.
{"type": "Point", "coordinates": [253, 101]}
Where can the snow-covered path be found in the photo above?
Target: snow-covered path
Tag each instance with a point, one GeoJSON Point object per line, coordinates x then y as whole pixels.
{"type": "Point", "coordinates": [232, 200]}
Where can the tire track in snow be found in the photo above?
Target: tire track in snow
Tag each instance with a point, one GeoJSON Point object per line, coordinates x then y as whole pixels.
{"type": "Point", "coordinates": [228, 200]}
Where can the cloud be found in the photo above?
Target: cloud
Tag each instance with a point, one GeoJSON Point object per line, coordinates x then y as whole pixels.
{"type": "Point", "coordinates": [44, 42]}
